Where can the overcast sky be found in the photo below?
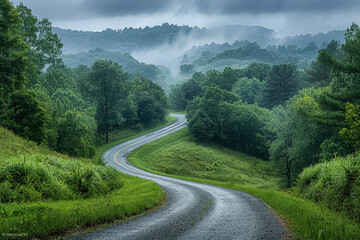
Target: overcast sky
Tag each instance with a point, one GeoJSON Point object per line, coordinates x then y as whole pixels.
{"type": "Point", "coordinates": [286, 17]}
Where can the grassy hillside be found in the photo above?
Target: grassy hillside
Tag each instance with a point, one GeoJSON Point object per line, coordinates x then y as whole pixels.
{"type": "Point", "coordinates": [177, 156]}
{"type": "Point", "coordinates": [44, 193]}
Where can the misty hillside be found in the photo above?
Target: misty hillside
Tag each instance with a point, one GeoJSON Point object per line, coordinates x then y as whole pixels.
{"type": "Point", "coordinates": [238, 57]}
{"type": "Point", "coordinates": [320, 39]}
{"type": "Point", "coordinates": [129, 64]}
{"type": "Point", "coordinates": [212, 39]}
{"type": "Point", "coordinates": [132, 39]}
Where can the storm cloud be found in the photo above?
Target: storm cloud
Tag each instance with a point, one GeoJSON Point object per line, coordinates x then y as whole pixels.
{"type": "Point", "coordinates": [286, 17]}
{"type": "Point", "coordinates": [272, 6]}
{"type": "Point", "coordinates": [128, 7]}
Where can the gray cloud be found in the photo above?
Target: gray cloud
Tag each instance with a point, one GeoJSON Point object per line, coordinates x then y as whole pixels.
{"type": "Point", "coordinates": [55, 10]}
{"type": "Point", "coordinates": [85, 9]}
{"type": "Point", "coordinates": [227, 7]}
{"type": "Point", "coordinates": [126, 7]}
{"type": "Point", "coordinates": [284, 16]}
{"type": "Point", "coordinates": [271, 6]}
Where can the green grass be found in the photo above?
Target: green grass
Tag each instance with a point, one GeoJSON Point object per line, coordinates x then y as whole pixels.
{"type": "Point", "coordinates": [118, 137]}
{"type": "Point", "coordinates": [177, 156]}
{"type": "Point", "coordinates": [44, 193]}
{"type": "Point", "coordinates": [176, 112]}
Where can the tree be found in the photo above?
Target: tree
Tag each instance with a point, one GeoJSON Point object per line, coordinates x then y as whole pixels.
{"type": "Point", "coordinates": [19, 109]}
{"type": "Point", "coordinates": [45, 46]}
{"type": "Point", "coordinates": [56, 77]}
{"type": "Point", "coordinates": [319, 73]}
{"type": "Point", "coordinates": [281, 85]}
{"type": "Point", "coordinates": [108, 87]}
{"type": "Point", "coordinates": [200, 126]}
{"type": "Point", "coordinates": [224, 80]}
{"type": "Point", "coordinates": [249, 90]}
{"type": "Point", "coordinates": [191, 88]}
{"type": "Point", "coordinates": [151, 101]}
{"type": "Point", "coordinates": [280, 146]}
{"type": "Point", "coordinates": [177, 97]}
{"type": "Point", "coordinates": [25, 116]}
{"type": "Point", "coordinates": [257, 70]}
{"type": "Point", "coordinates": [351, 59]}
{"type": "Point", "coordinates": [13, 62]}
{"type": "Point", "coordinates": [187, 69]}
{"type": "Point", "coordinates": [352, 133]}
{"type": "Point", "coordinates": [74, 137]}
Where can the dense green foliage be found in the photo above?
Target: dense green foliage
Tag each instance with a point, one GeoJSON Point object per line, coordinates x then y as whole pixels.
{"type": "Point", "coordinates": [223, 107]}
{"type": "Point", "coordinates": [150, 100]}
{"type": "Point", "coordinates": [281, 85]}
{"type": "Point", "coordinates": [219, 117]}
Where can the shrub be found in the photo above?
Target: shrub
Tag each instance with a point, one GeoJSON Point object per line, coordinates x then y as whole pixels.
{"type": "Point", "coordinates": [335, 184]}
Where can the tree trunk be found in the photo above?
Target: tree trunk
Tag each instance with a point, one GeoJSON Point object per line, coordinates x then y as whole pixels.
{"type": "Point", "coordinates": [106, 122]}
{"type": "Point", "coordinates": [288, 173]}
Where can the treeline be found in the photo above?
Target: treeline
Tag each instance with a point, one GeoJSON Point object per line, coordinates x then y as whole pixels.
{"type": "Point", "coordinates": [67, 109]}
{"type": "Point", "coordinates": [290, 117]}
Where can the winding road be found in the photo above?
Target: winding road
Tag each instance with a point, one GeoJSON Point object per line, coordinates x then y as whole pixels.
{"type": "Point", "coordinates": [193, 210]}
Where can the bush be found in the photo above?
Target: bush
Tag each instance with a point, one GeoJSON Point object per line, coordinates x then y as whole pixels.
{"type": "Point", "coordinates": [335, 183]}
{"type": "Point", "coordinates": [38, 177]}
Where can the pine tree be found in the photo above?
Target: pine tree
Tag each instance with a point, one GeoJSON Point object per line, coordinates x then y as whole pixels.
{"type": "Point", "coordinates": [281, 85]}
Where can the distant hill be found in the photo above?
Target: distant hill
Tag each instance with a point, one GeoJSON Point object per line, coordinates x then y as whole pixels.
{"type": "Point", "coordinates": [173, 45]}
{"type": "Point", "coordinates": [252, 52]}
{"type": "Point", "coordinates": [129, 64]}
{"type": "Point", "coordinates": [197, 51]}
{"type": "Point", "coordinates": [320, 39]}
{"type": "Point", "coordinates": [132, 39]}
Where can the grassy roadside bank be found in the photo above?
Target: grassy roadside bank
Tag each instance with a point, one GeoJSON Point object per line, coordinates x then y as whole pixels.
{"type": "Point", "coordinates": [177, 156]}
{"type": "Point", "coordinates": [44, 193]}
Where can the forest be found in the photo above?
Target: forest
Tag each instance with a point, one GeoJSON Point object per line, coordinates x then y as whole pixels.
{"type": "Point", "coordinates": [68, 109]}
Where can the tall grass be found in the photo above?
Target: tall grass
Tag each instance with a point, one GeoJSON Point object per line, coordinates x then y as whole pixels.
{"type": "Point", "coordinates": [176, 156]}
{"type": "Point", "coordinates": [44, 218]}
{"type": "Point", "coordinates": [335, 184]}
{"type": "Point", "coordinates": [43, 192]}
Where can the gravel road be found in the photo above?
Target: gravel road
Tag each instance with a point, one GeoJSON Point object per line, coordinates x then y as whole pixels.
{"type": "Point", "coordinates": [193, 210]}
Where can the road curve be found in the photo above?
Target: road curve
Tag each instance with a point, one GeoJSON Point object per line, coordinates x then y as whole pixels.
{"type": "Point", "coordinates": [193, 210]}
